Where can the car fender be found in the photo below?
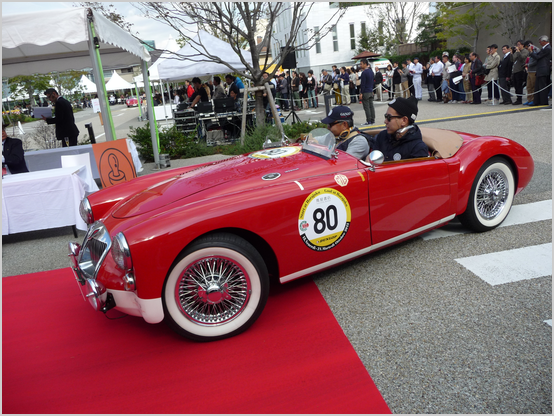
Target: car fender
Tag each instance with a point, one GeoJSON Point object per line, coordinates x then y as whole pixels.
{"type": "Point", "coordinates": [474, 153]}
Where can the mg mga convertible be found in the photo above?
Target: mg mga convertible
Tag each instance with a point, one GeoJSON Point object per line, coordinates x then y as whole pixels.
{"type": "Point", "coordinates": [199, 246]}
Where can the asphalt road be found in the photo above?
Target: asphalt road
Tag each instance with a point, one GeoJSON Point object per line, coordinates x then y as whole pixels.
{"type": "Point", "coordinates": [434, 336]}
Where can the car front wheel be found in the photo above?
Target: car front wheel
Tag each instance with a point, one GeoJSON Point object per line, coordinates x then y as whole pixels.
{"type": "Point", "coordinates": [491, 196]}
{"type": "Point", "coordinates": [217, 288]}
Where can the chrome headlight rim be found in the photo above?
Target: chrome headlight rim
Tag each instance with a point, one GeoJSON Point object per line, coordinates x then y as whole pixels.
{"type": "Point", "coordinates": [121, 252]}
{"type": "Point", "coordinates": [85, 210]}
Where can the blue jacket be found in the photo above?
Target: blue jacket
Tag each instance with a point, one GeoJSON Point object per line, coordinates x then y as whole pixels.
{"type": "Point", "coordinates": [366, 82]}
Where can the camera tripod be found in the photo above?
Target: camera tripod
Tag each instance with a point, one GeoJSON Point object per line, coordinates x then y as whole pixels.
{"type": "Point", "coordinates": [295, 118]}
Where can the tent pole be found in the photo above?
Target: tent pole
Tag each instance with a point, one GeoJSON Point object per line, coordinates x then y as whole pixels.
{"type": "Point", "coordinates": [151, 117]}
{"type": "Point", "coordinates": [163, 97]}
{"type": "Point", "coordinates": [100, 84]}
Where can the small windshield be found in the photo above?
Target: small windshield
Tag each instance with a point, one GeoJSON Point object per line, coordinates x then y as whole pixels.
{"type": "Point", "coordinates": [320, 142]}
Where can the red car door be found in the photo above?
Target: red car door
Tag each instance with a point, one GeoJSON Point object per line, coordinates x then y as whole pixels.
{"type": "Point", "coordinates": [407, 196]}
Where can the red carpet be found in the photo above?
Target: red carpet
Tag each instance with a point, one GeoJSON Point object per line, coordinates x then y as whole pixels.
{"type": "Point", "coordinates": [60, 356]}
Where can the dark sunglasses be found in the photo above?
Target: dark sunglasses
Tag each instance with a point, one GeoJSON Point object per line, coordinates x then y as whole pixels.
{"type": "Point", "coordinates": [389, 117]}
{"type": "Point", "coordinates": [336, 122]}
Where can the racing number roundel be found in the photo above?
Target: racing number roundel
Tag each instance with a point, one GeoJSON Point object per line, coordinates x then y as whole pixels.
{"type": "Point", "coordinates": [276, 153]}
{"type": "Point", "coordinates": [324, 219]}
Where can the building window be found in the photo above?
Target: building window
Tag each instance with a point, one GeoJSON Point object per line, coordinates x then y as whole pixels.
{"type": "Point", "coordinates": [352, 37]}
{"type": "Point", "coordinates": [363, 28]}
{"type": "Point", "coordinates": [335, 39]}
{"type": "Point", "coordinates": [317, 44]}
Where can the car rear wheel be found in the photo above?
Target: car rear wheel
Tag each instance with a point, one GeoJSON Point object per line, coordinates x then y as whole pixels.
{"type": "Point", "coordinates": [491, 196]}
{"type": "Point", "coordinates": [217, 288]}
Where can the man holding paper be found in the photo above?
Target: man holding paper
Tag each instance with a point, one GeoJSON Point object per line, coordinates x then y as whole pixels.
{"type": "Point", "coordinates": [66, 130]}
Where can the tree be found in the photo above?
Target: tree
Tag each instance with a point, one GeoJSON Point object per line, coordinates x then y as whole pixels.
{"type": "Point", "coordinates": [461, 21]}
{"type": "Point", "coordinates": [374, 41]}
{"type": "Point", "coordinates": [429, 28]}
{"type": "Point", "coordinates": [399, 19]}
{"type": "Point", "coordinates": [518, 21]}
{"type": "Point", "coordinates": [28, 85]}
{"type": "Point", "coordinates": [238, 23]}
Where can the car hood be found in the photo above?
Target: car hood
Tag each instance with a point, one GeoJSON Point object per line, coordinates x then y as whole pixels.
{"type": "Point", "coordinates": [233, 175]}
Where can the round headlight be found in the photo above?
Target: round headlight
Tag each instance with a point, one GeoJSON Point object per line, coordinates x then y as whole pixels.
{"type": "Point", "coordinates": [85, 210]}
{"type": "Point", "coordinates": [121, 253]}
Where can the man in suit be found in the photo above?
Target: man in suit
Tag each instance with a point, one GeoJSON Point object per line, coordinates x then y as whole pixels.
{"type": "Point", "coordinates": [66, 130]}
{"type": "Point", "coordinates": [505, 73]}
{"type": "Point", "coordinates": [12, 153]}
{"type": "Point", "coordinates": [544, 62]}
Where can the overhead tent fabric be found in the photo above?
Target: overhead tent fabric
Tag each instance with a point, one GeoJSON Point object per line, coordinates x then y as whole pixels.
{"type": "Point", "coordinates": [169, 48]}
{"type": "Point", "coordinates": [190, 61]}
{"type": "Point", "coordinates": [60, 40]}
{"type": "Point", "coordinates": [31, 44]}
{"type": "Point", "coordinates": [118, 83]}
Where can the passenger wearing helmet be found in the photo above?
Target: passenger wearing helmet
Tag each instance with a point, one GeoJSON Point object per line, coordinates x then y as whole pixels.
{"type": "Point", "coordinates": [350, 139]}
{"type": "Point", "coordinates": [402, 138]}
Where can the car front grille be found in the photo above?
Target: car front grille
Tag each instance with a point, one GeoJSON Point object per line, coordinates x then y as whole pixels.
{"type": "Point", "coordinates": [95, 247]}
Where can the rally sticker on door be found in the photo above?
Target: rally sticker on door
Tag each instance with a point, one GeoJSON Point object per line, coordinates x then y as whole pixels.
{"type": "Point", "coordinates": [324, 219]}
{"type": "Point", "coordinates": [276, 153]}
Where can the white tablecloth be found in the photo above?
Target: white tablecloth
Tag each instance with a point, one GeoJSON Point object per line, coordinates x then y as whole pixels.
{"type": "Point", "coordinates": [41, 200]}
{"type": "Point", "coordinates": [51, 158]}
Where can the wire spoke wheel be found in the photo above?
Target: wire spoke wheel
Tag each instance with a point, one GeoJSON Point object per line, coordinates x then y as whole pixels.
{"type": "Point", "coordinates": [216, 289]}
{"type": "Point", "coordinates": [492, 194]}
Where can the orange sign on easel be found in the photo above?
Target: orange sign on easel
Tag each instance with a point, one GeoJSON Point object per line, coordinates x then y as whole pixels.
{"type": "Point", "coordinates": [114, 161]}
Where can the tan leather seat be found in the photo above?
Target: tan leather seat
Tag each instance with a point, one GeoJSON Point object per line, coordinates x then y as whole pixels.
{"type": "Point", "coordinates": [442, 144]}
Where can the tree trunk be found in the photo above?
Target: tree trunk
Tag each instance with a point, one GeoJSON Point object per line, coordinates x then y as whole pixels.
{"type": "Point", "coordinates": [260, 110]}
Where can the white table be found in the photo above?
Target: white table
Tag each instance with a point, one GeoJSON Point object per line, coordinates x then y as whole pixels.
{"type": "Point", "coordinates": [41, 200]}
{"type": "Point", "coordinates": [38, 160]}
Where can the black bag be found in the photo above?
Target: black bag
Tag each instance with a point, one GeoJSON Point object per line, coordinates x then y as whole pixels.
{"type": "Point", "coordinates": [487, 71]}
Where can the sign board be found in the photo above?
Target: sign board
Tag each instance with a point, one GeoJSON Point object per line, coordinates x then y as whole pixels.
{"type": "Point", "coordinates": [114, 161]}
{"type": "Point", "coordinates": [95, 105]}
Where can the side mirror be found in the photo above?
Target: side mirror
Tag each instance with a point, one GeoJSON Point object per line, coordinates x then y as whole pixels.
{"type": "Point", "coordinates": [376, 157]}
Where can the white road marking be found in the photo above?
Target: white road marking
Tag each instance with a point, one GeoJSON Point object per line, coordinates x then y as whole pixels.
{"type": "Point", "coordinates": [519, 214]}
{"type": "Point", "coordinates": [548, 321]}
{"type": "Point", "coordinates": [511, 265]}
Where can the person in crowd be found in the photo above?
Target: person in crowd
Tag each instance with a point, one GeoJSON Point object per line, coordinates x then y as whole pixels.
{"type": "Point", "coordinates": [531, 67]}
{"type": "Point", "coordinates": [377, 81]}
{"type": "Point", "coordinates": [189, 88]}
{"type": "Point", "coordinates": [232, 85]}
{"type": "Point", "coordinates": [402, 137]}
{"type": "Point", "coordinates": [404, 83]}
{"type": "Point", "coordinates": [345, 86]}
{"type": "Point", "coordinates": [200, 93]}
{"type": "Point", "coordinates": [544, 59]}
{"type": "Point", "coordinates": [487, 58]}
{"type": "Point", "coordinates": [456, 96]}
{"type": "Point", "coordinates": [476, 70]}
{"type": "Point", "coordinates": [283, 90]}
{"type": "Point", "coordinates": [467, 83]}
{"type": "Point", "coordinates": [13, 156]}
{"type": "Point", "coordinates": [518, 71]}
{"type": "Point", "coordinates": [66, 130]}
{"type": "Point", "coordinates": [505, 74]}
{"type": "Point", "coordinates": [326, 82]}
{"type": "Point", "coordinates": [219, 92]}
{"type": "Point", "coordinates": [353, 75]}
{"type": "Point", "coordinates": [236, 100]}
{"type": "Point", "coordinates": [366, 92]}
{"type": "Point", "coordinates": [337, 86]}
{"type": "Point", "coordinates": [492, 68]}
{"type": "Point", "coordinates": [176, 98]}
{"type": "Point", "coordinates": [460, 85]}
{"type": "Point", "coordinates": [295, 88]}
{"type": "Point", "coordinates": [436, 74]}
{"type": "Point", "coordinates": [340, 122]}
{"type": "Point", "coordinates": [396, 80]}
{"type": "Point", "coordinates": [310, 89]}
{"type": "Point", "coordinates": [266, 78]}
{"type": "Point", "coordinates": [416, 71]}
{"type": "Point", "coordinates": [207, 88]}
{"type": "Point", "coordinates": [427, 70]}
{"type": "Point", "coordinates": [447, 94]}
{"type": "Point", "coordinates": [303, 90]}
{"type": "Point", "coordinates": [389, 85]}
{"type": "Point", "coordinates": [410, 66]}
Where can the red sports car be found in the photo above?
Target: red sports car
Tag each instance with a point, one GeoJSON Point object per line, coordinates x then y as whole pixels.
{"type": "Point", "coordinates": [131, 102]}
{"type": "Point", "coordinates": [198, 246]}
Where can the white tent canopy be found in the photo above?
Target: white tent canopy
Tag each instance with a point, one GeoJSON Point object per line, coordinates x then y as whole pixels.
{"type": "Point", "coordinates": [192, 62]}
{"type": "Point", "coordinates": [30, 45]}
{"type": "Point", "coordinates": [118, 83]}
{"type": "Point", "coordinates": [169, 48]}
{"type": "Point", "coordinates": [87, 86]}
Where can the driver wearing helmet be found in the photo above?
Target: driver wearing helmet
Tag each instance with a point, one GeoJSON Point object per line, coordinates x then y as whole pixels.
{"type": "Point", "coordinates": [350, 139]}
